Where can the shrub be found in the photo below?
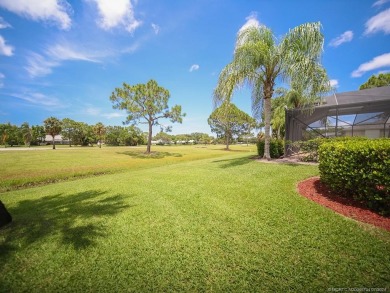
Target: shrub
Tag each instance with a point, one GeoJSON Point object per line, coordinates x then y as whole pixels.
{"type": "Point", "coordinates": [276, 148]}
{"type": "Point", "coordinates": [310, 147]}
{"type": "Point", "coordinates": [358, 168]}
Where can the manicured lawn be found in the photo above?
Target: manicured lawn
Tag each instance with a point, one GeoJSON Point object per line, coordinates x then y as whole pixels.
{"type": "Point", "coordinates": [222, 223]}
{"type": "Point", "coordinates": [42, 165]}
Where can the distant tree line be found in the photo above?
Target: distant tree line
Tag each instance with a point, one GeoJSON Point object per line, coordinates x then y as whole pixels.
{"type": "Point", "coordinates": [193, 138]}
{"type": "Point", "coordinates": [82, 134]}
{"type": "Point", "coordinates": [73, 132]}
{"type": "Point", "coordinates": [164, 138]}
{"type": "Point", "coordinates": [24, 134]}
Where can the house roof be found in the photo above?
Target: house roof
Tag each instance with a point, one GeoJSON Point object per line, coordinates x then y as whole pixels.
{"type": "Point", "coordinates": [57, 137]}
{"type": "Point", "coordinates": [361, 96]}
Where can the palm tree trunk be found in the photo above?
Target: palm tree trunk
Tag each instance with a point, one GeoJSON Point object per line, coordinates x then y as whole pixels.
{"type": "Point", "coordinates": [267, 127]}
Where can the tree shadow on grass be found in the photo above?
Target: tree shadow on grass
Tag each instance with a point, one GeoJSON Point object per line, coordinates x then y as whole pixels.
{"type": "Point", "coordinates": [78, 220]}
{"type": "Point", "coordinates": [152, 155]}
{"type": "Point", "coordinates": [229, 163]}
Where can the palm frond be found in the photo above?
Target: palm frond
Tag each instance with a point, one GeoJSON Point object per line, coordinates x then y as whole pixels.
{"type": "Point", "coordinates": [257, 99]}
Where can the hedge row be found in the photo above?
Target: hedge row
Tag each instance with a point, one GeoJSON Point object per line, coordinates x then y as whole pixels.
{"type": "Point", "coordinates": [276, 148]}
{"type": "Point", "coordinates": [310, 147]}
{"type": "Point", "coordinates": [358, 168]}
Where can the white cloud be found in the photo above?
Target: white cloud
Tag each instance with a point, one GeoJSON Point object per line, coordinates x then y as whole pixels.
{"type": "Point", "coordinates": [194, 67]}
{"type": "Point", "coordinates": [344, 38]}
{"type": "Point", "coordinates": [66, 52]}
{"type": "Point", "coordinates": [38, 65]}
{"type": "Point", "coordinates": [380, 3]}
{"type": "Point", "coordinates": [131, 49]}
{"type": "Point", "coordinates": [38, 99]}
{"type": "Point", "coordinates": [113, 115]}
{"type": "Point", "coordinates": [2, 76]}
{"type": "Point", "coordinates": [376, 63]}
{"type": "Point", "coordinates": [379, 22]}
{"type": "Point", "coordinates": [251, 20]}
{"type": "Point", "coordinates": [92, 111]}
{"type": "Point", "coordinates": [156, 28]}
{"type": "Point", "coordinates": [5, 49]}
{"type": "Point", "coordinates": [54, 56]}
{"type": "Point", "coordinates": [334, 83]}
{"type": "Point", "coordinates": [3, 23]}
{"type": "Point", "coordinates": [118, 13]}
{"type": "Point", "coordinates": [56, 11]}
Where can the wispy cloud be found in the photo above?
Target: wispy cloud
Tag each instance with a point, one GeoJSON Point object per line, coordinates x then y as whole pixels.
{"type": "Point", "coordinates": [380, 3]}
{"type": "Point", "coordinates": [56, 11]}
{"type": "Point", "coordinates": [131, 49]}
{"type": "Point", "coordinates": [194, 67]}
{"type": "Point", "coordinates": [67, 52]}
{"type": "Point", "coordinates": [379, 22]}
{"type": "Point", "coordinates": [114, 115]}
{"type": "Point", "coordinates": [118, 13]}
{"type": "Point", "coordinates": [38, 65]}
{"type": "Point", "coordinates": [5, 49]}
{"type": "Point", "coordinates": [376, 63]}
{"type": "Point", "coordinates": [343, 38]}
{"type": "Point", "coordinates": [2, 76]}
{"type": "Point", "coordinates": [334, 83]}
{"type": "Point", "coordinates": [93, 111]}
{"type": "Point", "coordinates": [54, 56]}
{"type": "Point", "coordinates": [155, 28]}
{"type": "Point", "coordinates": [38, 99]}
{"type": "Point", "coordinates": [4, 24]}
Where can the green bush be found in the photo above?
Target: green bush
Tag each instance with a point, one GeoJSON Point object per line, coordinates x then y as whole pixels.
{"type": "Point", "coordinates": [358, 168]}
{"type": "Point", "coordinates": [310, 147]}
{"type": "Point", "coordinates": [276, 148]}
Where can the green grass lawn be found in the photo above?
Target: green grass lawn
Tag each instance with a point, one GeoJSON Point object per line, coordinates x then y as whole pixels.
{"type": "Point", "coordinates": [213, 221]}
{"type": "Point", "coordinates": [40, 165]}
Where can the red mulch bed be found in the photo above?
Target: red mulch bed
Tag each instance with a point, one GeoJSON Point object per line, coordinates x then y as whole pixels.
{"type": "Point", "coordinates": [316, 191]}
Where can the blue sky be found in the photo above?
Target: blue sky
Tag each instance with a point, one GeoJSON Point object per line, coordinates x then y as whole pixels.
{"type": "Point", "coordinates": [64, 58]}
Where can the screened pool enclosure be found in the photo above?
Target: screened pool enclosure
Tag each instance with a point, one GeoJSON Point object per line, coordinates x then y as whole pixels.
{"type": "Point", "coordinates": [358, 113]}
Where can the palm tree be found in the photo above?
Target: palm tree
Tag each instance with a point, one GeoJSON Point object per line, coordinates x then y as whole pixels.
{"type": "Point", "coordinates": [295, 98]}
{"type": "Point", "coordinates": [99, 130]}
{"type": "Point", "coordinates": [52, 127]}
{"type": "Point", "coordinates": [26, 133]}
{"type": "Point", "coordinates": [259, 61]}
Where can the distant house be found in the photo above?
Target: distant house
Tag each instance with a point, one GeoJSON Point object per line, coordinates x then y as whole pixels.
{"type": "Point", "coordinates": [57, 139]}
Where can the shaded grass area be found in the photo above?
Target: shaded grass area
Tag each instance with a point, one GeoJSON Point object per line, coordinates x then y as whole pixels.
{"type": "Point", "coordinates": [225, 225]}
{"type": "Point", "coordinates": [21, 169]}
{"type": "Point", "coordinates": [78, 219]}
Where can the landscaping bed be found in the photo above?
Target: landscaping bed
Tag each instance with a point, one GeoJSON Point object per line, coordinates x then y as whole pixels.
{"type": "Point", "coordinates": [318, 192]}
